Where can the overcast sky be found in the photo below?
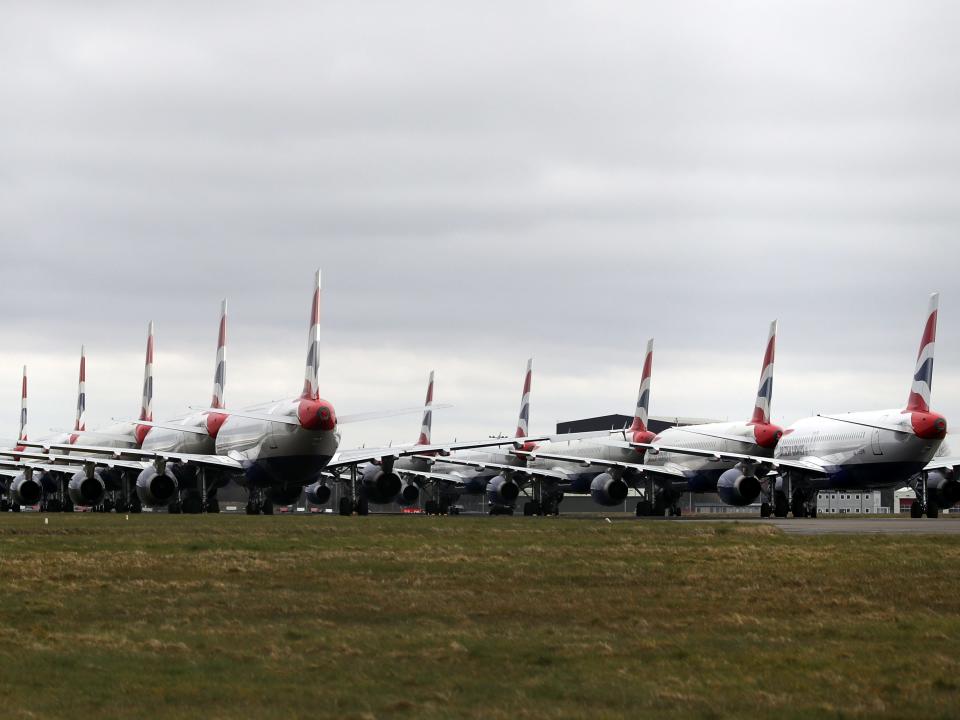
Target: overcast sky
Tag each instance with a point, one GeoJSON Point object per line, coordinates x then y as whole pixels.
{"type": "Point", "coordinates": [480, 182]}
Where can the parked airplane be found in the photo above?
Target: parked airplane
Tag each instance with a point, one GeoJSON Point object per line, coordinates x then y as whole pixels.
{"type": "Point", "coordinates": [274, 449]}
{"type": "Point", "coordinates": [861, 450]}
{"type": "Point", "coordinates": [502, 475]}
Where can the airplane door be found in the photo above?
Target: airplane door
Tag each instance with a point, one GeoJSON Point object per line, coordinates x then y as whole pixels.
{"type": "Point", "coordinates": [875, 443]}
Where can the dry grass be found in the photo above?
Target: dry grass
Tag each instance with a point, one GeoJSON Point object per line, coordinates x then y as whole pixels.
{"type": "Point", "coordinates": [177, 616]}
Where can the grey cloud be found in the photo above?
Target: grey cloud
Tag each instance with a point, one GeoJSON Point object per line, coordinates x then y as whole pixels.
{"type": "Point", "coordinates": [481, 182]}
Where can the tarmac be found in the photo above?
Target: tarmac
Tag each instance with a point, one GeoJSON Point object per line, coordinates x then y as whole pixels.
{"type": "Point", "coordinates": [866, 526]}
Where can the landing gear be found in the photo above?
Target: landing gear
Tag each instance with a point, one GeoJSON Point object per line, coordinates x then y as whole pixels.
{"type": "Point", "coordinates": [213, 505]}
{"type": "Point", "coordinates": [363, 508]}
{"type": "Point", "coordinates": [765, 510]}
{"type": "Point", "coordinates": [346, 506]}
{"type": "Point", "coordinates": [267, 507]}
{"type": "Point", "coordinates": [780, 505]}
{"type": "Point", "coordinates": [922, 505]}
{"type": "Point", "coordinates": [799, 508]}
{"type": "Point", "coordinates": [501, 510]}
{"type": "Point", "coordinates": [644, 508]}
{"type": "Point", "coordinates": [191, 502]}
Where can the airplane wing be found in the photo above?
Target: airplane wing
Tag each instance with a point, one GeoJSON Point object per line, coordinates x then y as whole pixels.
{"type": "Point", "coordinates": [364, 455]}
{"type": "Point", "coordinates": [92, 453]}
{"type": "Point", "coordinates": [877, 426]}
{"type": "Point", "coordinates": [480, 465]}
{"type": "Point", "coordinates": [718, 455]}
{"type": "Point", "coordinates": [942, 463]}
{"type": "Point", "coordinates": [587, 462]}
{"type": "Point", "coordinates": [440, 477]}
{"type": "Point", "coordinates": [165, 426]}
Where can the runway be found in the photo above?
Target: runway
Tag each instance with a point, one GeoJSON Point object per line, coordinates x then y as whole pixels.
{"type": "Point", "coordinates": [866, 526]}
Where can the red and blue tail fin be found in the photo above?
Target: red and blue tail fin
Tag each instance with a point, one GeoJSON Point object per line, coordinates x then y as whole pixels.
{"type": "Point", "coordinates": [146, 402]}
{"type": "Point", "coordinates": [426, 427]}
{"type": "Point", "coordinates": [22, 436]}
{"type": "Point", "coordinates": [523, 420]}
{"type": "Point", "coordinates": [761, 409]}
{"type": "Point", "coordinates": [641, 415]}
{"type": "Point", "coordinates": [80, 424]}
{"type": "Point", "coordinates": [311, 379]}
{"type": "Point", "coordinates": [220, 371]}
{"type": "Point", "coordinates": [919, 398]}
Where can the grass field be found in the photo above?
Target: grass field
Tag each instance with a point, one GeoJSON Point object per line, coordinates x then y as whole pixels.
{"type": "Point", "coordinates": [277, 617]}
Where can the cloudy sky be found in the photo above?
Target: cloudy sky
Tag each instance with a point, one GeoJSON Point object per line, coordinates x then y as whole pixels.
{"type": "Point", "coordinates": [480, 182]}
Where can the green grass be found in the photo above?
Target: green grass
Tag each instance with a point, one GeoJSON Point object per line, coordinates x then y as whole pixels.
{"type": "Point", "coordinates": [277, 617]}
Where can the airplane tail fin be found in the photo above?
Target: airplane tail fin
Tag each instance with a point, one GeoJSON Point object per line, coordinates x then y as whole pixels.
{"type": "Point", "coordinates": [311, 381]}
{"type": "Point", "coordinates": [523, 420]}
{"type": "Point", "coordinates": [80, 424]}
{"type": "Point", "coordinates": [426, 427]}
{"type": "Point", "coordinates": [919, 398]}
{"type": "Point", "coordinates": [220, 371]}
{"type": "Point", "coordinates": [761, 409]}
{"type": "Point", "coordinates": [642, 413]}
{"type": "Point", "coordinates": [146, 403]}
{"type": "Point", "coordinates": [22, 436]}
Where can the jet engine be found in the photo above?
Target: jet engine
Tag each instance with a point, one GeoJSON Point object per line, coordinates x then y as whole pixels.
{"type": "Point", "coordinates": [735, 488]}
{"type": "Point", "coordinates": [86, 490]}
{"type": "Point", "coordinates": [607, 490]}
{"type": "Point", "coordinates": [157, 489]}
{"type": "Point", "coordinates": [380, 486]}
{"type": "Point", "coordinates": [502, 491]}
{"type": "Point", "coordinates": [942, 490]}
{"type": "Point", "coordinates": [318, 493]}
{"type": "Point", "coordinates": [409, 493]}
{"type": "Point", "coordinates": [26, 489]}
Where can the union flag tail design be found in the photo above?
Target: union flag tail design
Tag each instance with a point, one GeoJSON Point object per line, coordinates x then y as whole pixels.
{"type": "Point", "coordinates": [220, 372]}
{"type": "Point", "coordinates": [641, 415]}
{"type": "Point", "coordinates": [426, 426]}
{"type": "Point", "coordinates": [919, 398]}
{"type": "Point", "coordinates": [311, 380]}
{"type": "Point", "coordinates": [523, 421]}
{"type": "Point", "coordinates": [146, 404]}
{"type": "Point", "coordinates": [761, 410]}
{"type": "Point", "coordinates": [23, 407]}
{"type": "Point", "coordinates": [81, 422]}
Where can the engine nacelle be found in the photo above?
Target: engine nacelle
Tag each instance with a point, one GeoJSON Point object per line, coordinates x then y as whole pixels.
{"type": "Point", "coordinates": [26, 489]}
{"type": "Point", "coordinates": [379, 486]}
{"type": "Point", "coordinates": [735, 488]}
{"type": "Point", "coordinates": [502, 491]}
{"type": "Point", "coordinates": [86, 490]}
{"type": "Point", "coordinates": [156, 489]}
{"type": "Point", "coordinates": [942, 490]}
{"type": "Point", "coordinates": [318, 494]}
{"type": "Point", "coordinates": [607, 490]}
{"type": "Point", "coordinates": [409, 494]}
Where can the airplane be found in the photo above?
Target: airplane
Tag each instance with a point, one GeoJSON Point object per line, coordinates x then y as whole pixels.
{"type": "Point", "coordinates": [104, 489]}
{"type": "Point", "coordinates": [194, 433]}
{"type": "Point", "coordinates": [608, 468]}
{"type": "Point", "coordinates": [502, 476]}
{"type": "Point", "coordinates": [861, 450]}
{"type": "Point", "coordinates": [273, 450]}
{"type": "Point", "coordinates": [20, 487]}
{"type": "Point", "coordinates": [371, 485]}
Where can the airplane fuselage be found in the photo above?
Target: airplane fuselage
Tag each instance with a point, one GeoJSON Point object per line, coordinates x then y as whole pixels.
{"type": "Point", "coordinates": [856, 455]}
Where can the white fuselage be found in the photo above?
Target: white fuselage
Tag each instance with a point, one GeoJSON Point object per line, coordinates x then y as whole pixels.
{"type": "Point", "coordinates": [857, 455]}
